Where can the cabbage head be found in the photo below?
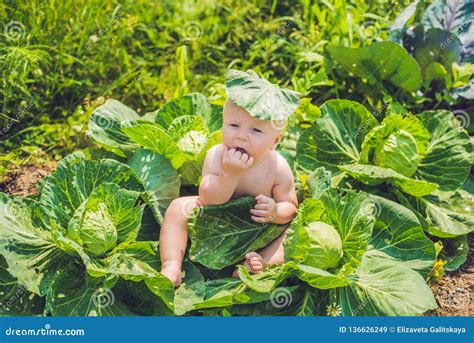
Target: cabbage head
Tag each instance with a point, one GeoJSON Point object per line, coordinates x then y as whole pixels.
{"type": "Point", "coordinates": [325, 246]}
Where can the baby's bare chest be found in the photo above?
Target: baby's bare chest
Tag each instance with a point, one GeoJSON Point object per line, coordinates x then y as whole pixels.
{"type": "Point", "coordinates": [255, 182]}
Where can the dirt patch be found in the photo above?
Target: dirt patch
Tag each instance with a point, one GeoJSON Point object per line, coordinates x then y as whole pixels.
{"type": "Point", "coordinates": [23, 180]}
{"type": "Point", "coordinates": [455, 291]}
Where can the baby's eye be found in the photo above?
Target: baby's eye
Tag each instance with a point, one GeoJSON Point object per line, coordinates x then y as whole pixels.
{"type": "Point", "coordinates": [257, 130]}
{"type": "Point", "coordinates": [234, 125]}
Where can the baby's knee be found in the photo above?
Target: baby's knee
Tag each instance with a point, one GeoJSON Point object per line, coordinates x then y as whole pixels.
{"type": "Point", "coordinates": [182, 207]}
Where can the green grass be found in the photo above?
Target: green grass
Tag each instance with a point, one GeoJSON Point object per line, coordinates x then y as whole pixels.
{"type": "Point", "coordinates": [68, 56]}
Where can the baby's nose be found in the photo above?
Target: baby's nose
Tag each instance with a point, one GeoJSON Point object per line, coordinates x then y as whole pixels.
{"type": "Point", "coordinates": [241, 136]}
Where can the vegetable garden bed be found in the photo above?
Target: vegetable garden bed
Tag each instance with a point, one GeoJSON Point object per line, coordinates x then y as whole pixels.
{"type": "Point", "coordinates": [453, 291]}
{"type": "Point", "coordinates": [379, 149]}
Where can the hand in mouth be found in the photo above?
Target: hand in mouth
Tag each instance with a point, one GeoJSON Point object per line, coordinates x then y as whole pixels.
{"type": "Point", "coordinates": [242, 150]}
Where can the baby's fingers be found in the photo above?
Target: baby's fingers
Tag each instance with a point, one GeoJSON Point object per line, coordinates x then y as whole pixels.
{"type": "Point", "coordinates": [262, 206]}
{"type": "Point", "coordinates": [259, 219]}
{"type": "Point", "coordinates": [244, 158]}
{"type": "Point", "coordinates": [260, 213]}
{"type": "Point", "coordinates": [262, 199]}
{"type": "Point", "coordinates": [249, 162]}
{"type": "Point", "coordinates": [228, 153]}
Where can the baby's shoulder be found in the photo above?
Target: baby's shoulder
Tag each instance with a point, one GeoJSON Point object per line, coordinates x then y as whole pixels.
{"type": "Point", "coordinates": [282, 168]}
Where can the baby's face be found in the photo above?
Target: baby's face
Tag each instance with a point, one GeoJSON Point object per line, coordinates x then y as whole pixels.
{"type": "Point", "coordinates": [254, 136]}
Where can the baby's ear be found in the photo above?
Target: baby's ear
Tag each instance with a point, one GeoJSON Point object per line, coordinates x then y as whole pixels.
{"type": "Point", "coordinates": [277, 141]}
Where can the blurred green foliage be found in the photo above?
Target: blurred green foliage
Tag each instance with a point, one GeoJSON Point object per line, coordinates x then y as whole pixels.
{"type": "Point", "coordinates": [59, 59]}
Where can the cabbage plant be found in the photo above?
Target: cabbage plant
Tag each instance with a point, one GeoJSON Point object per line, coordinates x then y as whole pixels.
{"type": "Point", "coordinates": [182, 131]}
{"type": "Point", "coordinates": [348, 253]}
{"type": "Point", "coordinates": [413, 158]}
{"type": "Point", "coordinates": [76, 243]}
{"type": "Point", "coordinates": [319, 245]}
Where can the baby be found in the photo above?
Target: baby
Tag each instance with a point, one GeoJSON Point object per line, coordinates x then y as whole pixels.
{"type": "Point", "coordinates": [245, 163]}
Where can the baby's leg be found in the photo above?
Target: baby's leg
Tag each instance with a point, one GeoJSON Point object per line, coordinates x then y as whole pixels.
{"type": "Point", "coordinates": [174, 236]}
{"type": "Point", "coordinates": [273, 253]}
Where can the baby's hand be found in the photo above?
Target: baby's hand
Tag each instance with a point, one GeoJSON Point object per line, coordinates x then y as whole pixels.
{"type": "Point", "coordinates": [235, 163]}
{"type": "Point", "coordinates": [265, 209]}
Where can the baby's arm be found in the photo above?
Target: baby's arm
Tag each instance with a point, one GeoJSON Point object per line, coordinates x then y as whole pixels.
{"type": "Point", "coordinates": [285, 196]}
{"type": "Point", "coordinates": [220, 174]}
{"type": "Point", "coordinates": [281, 208]}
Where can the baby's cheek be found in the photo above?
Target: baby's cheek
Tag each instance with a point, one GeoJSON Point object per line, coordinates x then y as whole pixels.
{"type": "Point", "coordinates": [226, 135]}
{"type": "Point", "coordinates": [260, 150]}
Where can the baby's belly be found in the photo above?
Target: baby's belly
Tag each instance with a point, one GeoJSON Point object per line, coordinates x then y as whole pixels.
{"type": "Point", "coordinates": [254, 189]}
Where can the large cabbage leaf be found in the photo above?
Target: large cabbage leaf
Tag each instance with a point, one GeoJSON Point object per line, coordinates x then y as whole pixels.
{"type": "Point", "coordinates": [378, 286]}
{"type": "Point", "coordinates": [195, 293]}
{"type": "Point", "coordinates": [74, 180]}
{"type": "Point", "coordinates": [398, 235]}
{"type": "Point", "coordinates": [335, 138]}
{"type": "Point", "coordinates": [448, 155]}
{"type": "Point", "coordinates": [374, 175]}
{"type": "Point", "coordinates": [74, 293]}
{"type": "Point", "coordinates": [106, 126]}
{"type": "Point", "coordinates": [454, 16]}
{"type": "Point", "coordinates": [287, 301]}
{"type": "Point", "coordinates": [15, 299]}
{"type": "Point", "coordinates": [258, 96]}
{"type": "Point", "coordinates": [399, 143]}
{"type": "Point", "coordinates": [29, 249]}
{"type": "Point", "coordinates": [438, 216]}
{"type": "Point", "coordinates": [381, 287]}
{"type": "Point", "coordinates": [160, 180]}
{"type": "Point", "coordinates": [381, 61]}
{"type": "Point", "coordinates": [221, 235]}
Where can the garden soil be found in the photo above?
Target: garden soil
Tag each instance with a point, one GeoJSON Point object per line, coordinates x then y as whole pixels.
{"type": "Point", "coordinates": [454, 292]}
{"type": "Point", "coordinates": [22, 181]}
